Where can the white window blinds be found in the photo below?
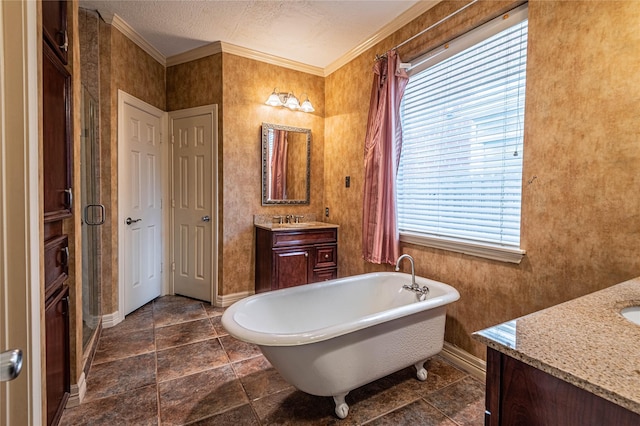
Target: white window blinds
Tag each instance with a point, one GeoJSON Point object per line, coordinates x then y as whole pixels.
{"type": "Point", "coordinates": [460, 174]}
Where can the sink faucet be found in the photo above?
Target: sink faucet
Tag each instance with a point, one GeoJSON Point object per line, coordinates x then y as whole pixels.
{"type": "Point", "coordinates": [421, 293]}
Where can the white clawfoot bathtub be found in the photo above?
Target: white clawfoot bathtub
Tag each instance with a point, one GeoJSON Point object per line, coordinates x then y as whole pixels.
{"type": "Point", "coordinates": [329, 338]}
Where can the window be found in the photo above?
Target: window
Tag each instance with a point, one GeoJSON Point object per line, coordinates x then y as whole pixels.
{"type": "Point", "coordinates": [460, 174]}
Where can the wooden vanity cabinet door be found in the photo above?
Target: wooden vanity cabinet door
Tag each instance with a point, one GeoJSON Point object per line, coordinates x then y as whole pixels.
{"type": "Point", "coordinates": [54, 27]}
{"type": "Point", "coordinates": [57, 354]}
{"type": "Point", "coordinates": [290, 267]}
{"type": "Point", "coordinates": [56, 131]}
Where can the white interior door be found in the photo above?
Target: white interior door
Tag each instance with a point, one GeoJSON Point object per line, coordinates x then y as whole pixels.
{"type": "Point", "coordinates": [140, 201]}
{"type": "Point", "coordinates": [195, 219]}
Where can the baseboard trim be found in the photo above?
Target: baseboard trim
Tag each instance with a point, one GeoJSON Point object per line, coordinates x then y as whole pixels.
{"type": "Point", "coordinates": [77, 392]}
{"type": "Point", "coordinates": [111, 320]}
{"type": "Point", "coordinates": [229, 299]}
{"type": "Point", "coordinates": [465, 361]}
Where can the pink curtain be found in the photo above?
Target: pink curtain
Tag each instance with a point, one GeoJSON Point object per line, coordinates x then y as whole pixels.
{"type": "Point", "coordinates": [383, 143]}
{"type": "Point", "coordinates": [279, 165]}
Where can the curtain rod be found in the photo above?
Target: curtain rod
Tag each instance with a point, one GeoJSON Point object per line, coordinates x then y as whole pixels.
{"type": "Point", "coordinates": [430, 27]}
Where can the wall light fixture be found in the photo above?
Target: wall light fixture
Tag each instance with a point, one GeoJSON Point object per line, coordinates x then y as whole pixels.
{"type": "Point", "coordinates": [289, 100]}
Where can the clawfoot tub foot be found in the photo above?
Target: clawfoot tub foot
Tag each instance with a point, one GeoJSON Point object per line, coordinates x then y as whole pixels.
{"type": "Point", "coordinates": [421, 372]}
{"type": "Point", "coordinates": [342, 409]}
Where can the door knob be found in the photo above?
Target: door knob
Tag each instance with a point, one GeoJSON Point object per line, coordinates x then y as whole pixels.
{"type": "Point", "coordinates": [129, 221]}
{"type": "Point", "coordinates": [10, 365]}
{"type": "Point", "coordinates": [206, 219]}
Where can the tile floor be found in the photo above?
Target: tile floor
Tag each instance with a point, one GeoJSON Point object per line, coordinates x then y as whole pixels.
{"type": "Point", "coordinates": [172, 363]}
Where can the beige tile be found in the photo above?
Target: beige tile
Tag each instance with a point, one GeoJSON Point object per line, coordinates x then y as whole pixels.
{"type": "Point", "coordinates": [417, 413]}
{"type": "Point", "coordinates": [136, 407]}
{"type": "Point", "coordinates": [259, 378]}
{"type": "Point", "coordinates": [140, 319]}
{"type": "Point", "coordinates": [213, 311]}
{"type": "Point", "coordinates": [293, 407]}
{"type": "Point", "coordinates": [217, 325]}
{"type": "Point", "coordinates": [183, 333]}
{"type": "Point", "coordinates": [439, 374]}
{"type": "Point", "coordinates": [115, 377]}
{"type": "Point", "coordinates": [200, 395]}
{"type": "Point", "coordinates": [463, 401]}
{"type": "Point", "coordinates": [189, 359]}
{"type": "Point", "coordinates": [124, 345]}
{"type": "Point", "coordinates": [242, 415]}
{"type": "Point", "coordinates": [238, 350]}
{"type": "Point", "coordinates": [169, 310]}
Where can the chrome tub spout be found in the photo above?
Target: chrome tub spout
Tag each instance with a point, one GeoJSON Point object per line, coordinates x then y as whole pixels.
{"type": "Point", "coordinates": [421, 293]}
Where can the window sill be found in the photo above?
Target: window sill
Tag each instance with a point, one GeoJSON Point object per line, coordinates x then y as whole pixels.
{"type": "Point", "coordinates": [487, 251]}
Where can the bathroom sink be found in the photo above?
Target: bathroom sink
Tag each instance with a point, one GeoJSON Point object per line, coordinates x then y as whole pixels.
{"type": "Point", "coordinates": [298, 225]}
{"type": "Point", "coordinates": [632, 313]}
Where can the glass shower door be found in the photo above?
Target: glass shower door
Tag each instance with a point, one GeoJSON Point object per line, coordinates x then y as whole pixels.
{"type": "Point", "coordinates": [92, 218]}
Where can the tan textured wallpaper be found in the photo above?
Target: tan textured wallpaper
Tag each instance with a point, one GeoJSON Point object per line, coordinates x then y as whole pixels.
{"type": "Point", "coordinates": [124, 66]}
{"type": "Point", "coordinates": [580, 221]}
{"type": "Point", "coordinates": [247, 84]}
{"type": "Point", "coordinates": [240, 87]}
{"type": "Point", "coordinates": [195, 83]}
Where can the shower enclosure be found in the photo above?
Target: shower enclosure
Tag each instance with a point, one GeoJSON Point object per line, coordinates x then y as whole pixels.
{"type": "Point", "coordinates": [93, 215]}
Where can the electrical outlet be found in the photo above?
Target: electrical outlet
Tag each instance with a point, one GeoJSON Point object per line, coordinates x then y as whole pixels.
{"type": "Point", "coordinates": [326, 211]}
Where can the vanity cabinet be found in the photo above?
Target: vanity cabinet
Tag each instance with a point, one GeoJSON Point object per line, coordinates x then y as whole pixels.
{"type": "Point", "coordinates": [54, 27]}
{"type": "Point", "coordinates": [519, 394]}
{"type": "Point", "coordinates": [291, 257]}
{"type": "Point", "coordinates": [57, 201]}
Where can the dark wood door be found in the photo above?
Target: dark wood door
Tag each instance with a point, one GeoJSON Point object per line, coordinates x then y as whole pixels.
{"type": "Point", "coordinates": [291, 267]}
{"type": "Point", "coordinates": [54, 27]}
{"type": "Point", "coordinates": [56, 122]}
{"type": "Point", "coordinates": [57, 354]}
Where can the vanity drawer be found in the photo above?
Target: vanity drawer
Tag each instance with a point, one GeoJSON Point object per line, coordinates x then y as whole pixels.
{"type": "Point", "coordinates": [325, 275]}
{"type": "Point", "coordinates": [307, 237]}
{"type": "Point", "coordinates": [56, 264]}
{"type": "Point", "coordinates": [325, 256]}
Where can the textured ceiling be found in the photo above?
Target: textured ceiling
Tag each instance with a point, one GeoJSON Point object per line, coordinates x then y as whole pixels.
{"type": "Point", "coordinates": [313, 32]}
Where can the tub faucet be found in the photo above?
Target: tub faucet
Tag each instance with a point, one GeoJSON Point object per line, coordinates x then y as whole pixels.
{"type": "Point", "coordinates": [420, 292]}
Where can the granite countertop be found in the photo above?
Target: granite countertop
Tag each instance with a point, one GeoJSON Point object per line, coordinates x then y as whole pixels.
{"type": "Point", "coordinates": [585, 341]}
{"type": "Point", "coordinates": [306, 221]}
{"type": "Point", "coordinates": [295, 226]}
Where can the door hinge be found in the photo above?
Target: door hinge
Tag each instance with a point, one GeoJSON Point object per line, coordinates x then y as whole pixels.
{"type": "Point", "coordinates": [173, 139]}
{"type": "Point", "coordinates": [173, 266]}
{"type": "Point", "coordinates": [173, 203]}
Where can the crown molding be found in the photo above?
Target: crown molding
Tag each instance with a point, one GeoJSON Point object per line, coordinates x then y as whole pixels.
{"type": "Point", "coordinates": [117, 22]}
{"type": "Point", "coordinates": [219, 46]}
{"type": "Point", "coordinates": [403, 19]}
{"type": "Point", "coordinates": [194, 54]}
